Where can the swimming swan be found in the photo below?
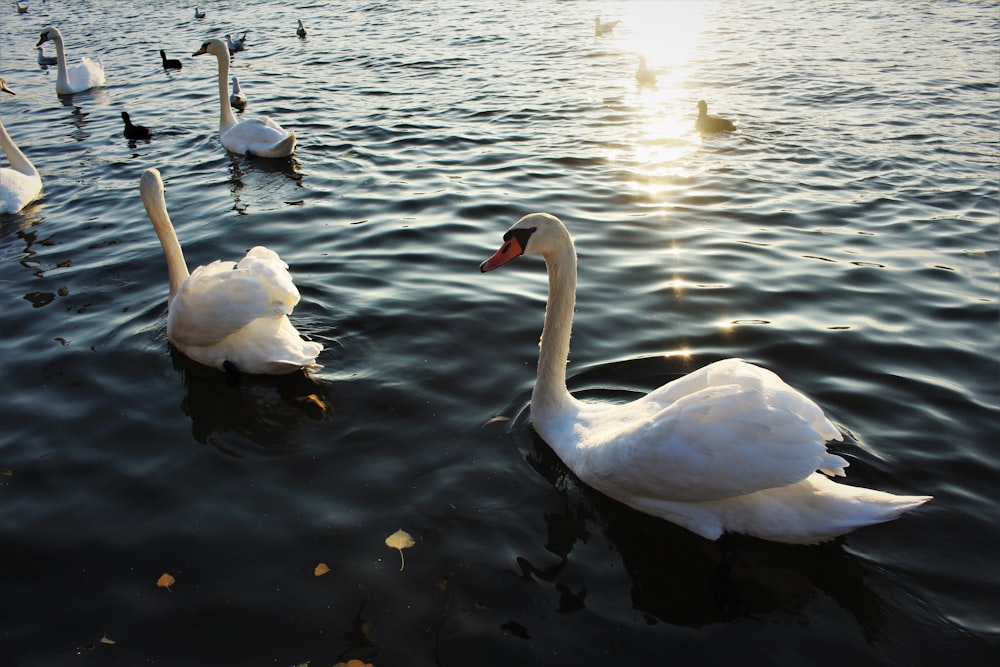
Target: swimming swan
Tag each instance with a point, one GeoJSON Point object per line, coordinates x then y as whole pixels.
{"type": "Point", "coordinates": [238, 99]}
{"type": "Point", "coordinates": [228, 313]}
{"type": "Point", "coordinates": [707, 123]}
{"type": "Point", "coordinates": [20, 183]}
{"type": "Point", "coordinates": [86, 74]}
{"type": "Point", "coordinates": [258, 136]}
{"type": "Point", "coordinates": [727, 448]}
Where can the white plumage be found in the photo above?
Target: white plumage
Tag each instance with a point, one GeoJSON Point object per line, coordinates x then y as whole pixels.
{"type": "Point", "coordinates": [258, 136]}
{"type": "Point", "coordinates": [20, 183]}
{"type": "Point", "coordinates": [228, 311]}
{"type": "Point", "coordinates": [727, 448]}
{"type": "Point", "coordinates": [86, 74]}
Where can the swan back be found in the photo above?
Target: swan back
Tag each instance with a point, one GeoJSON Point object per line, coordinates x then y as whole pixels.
{"type": "Point", "coordinates": [20, 184]}
{"type": "Point", "coordinates": [228, 312]}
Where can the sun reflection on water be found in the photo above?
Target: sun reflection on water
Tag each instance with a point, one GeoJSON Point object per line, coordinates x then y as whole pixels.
{"type": "Point", "coordinates": [667, 35]}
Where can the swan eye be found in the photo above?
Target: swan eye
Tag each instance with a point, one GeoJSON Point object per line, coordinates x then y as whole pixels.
{"type": "Point", "coordinates": [520, 235]}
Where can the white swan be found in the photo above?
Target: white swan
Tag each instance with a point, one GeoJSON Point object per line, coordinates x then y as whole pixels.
{"type": "Point", "coordinates": [20, 183]}
{"type": "Point", "coordinates": [45, 60]}
{"type": "Point", "coordinates": [645, 74]}
{"type": "Point", "coordinates": [603, 27]}
{"type": "Point", "coordinates": [86, 74]}
{"type": "Point", "coordinates": [727, 448]}
{"type": "Point", "coordinates": [228, 313]}
{"type": "Point", "coordinates": [238, 99]}
{"type": "Point", "coordinates": [258, 136]}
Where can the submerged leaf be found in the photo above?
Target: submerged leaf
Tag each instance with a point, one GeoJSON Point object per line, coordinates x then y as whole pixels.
{"type": "Point", "coordinates": [400, 540]}
{"type": "Point", "coordinates": [107, 640]}
{"type": "Point", "coordinates": [320, 569]}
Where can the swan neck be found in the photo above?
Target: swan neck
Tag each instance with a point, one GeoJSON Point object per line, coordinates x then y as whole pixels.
{"type": "Point", "coordinates": [62, 73]}
{"type": "Point", "coordinates": [177, 270]}
{"type": "Point", "coordinates": [18, 160]}
{"type": "Point", "coordinates": [226, 117]}
{"type": "Point", "coordinates": [550, 387]}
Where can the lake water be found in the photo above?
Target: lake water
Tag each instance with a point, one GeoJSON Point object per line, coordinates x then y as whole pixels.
{"type": "Point", "coordinates": [845, 237]}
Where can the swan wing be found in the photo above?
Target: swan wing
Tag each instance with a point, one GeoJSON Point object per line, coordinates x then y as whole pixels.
{"type": "Point", "coordinates": [88, 73]}
{"type": "Point", "coordinates": [711, 440]}
{"type": "Point", "coordinates": [260, 136]}
{"type": "Point", "coordinates": [222, 298]}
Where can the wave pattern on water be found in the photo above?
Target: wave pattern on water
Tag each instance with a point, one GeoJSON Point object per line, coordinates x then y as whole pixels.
{"type": "Point", "coordinates": [845, 237]}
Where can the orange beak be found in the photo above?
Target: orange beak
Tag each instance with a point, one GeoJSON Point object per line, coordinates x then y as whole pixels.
{"type": "Point", "coordinates": [509, 250]}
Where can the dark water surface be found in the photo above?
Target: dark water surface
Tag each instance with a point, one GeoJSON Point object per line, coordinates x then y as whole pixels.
{"type": "Point", "coordinates": [845, 237]}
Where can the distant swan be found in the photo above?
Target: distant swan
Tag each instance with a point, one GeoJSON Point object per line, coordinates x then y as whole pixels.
{"type": "Point", "coordinates": [645, 74]}
{"type": "Point", "coordinates": [238, 99]}
{"type": "Point", "coordinates": [727, 448]}
{"type": "Point", "coordinates": [236, 44]}
{"type": "Point", "coordinates": [20, 183]}
{"type": "Point", "coordinates": [706, 123]}
{"type": "Point", "coordinates": [135, 131]}
{"type": "Point", "coordinates": [45, 60]}
{"type": "Point", "coordinates": [169, 63]}
{"type": "Point", "coordinates": [258, 136]}
{"type": "Point", "coordinates": [86, 74]}
{"type": "Point", "coordinates": [227, 313]}
{"type": "Point", "coordinates": [301, 32]}
{"type": "Point", "coordinates": [603, 28]}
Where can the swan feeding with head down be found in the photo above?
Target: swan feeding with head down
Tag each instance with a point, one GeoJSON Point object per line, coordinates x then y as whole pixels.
{"type": "Point", "coordinates": [86, 74]}
{"type": "Point", "coordinates": [229, 315]}
{"type": "Point", "coordinates": [20, 183]}
{"type": "Point", "coordinates": [727, 448]}
{"type": "Point", "coordinates": [258, 136]}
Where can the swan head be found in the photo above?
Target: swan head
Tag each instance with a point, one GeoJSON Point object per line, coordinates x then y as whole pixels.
{"type": "Point", "coordinates": [535, 233]}
{"type": "Point", "coordinates": [4, 88]}
{"type": "Point", "coordinates": [215, 47]}
{"type": "Point", "coordinates": [49, 33]}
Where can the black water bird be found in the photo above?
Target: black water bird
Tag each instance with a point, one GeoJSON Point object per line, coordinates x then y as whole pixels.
{"type": "Point", "coordinates": [135, 131]}
{"type": "Point", "coordinates": [169, 63]}
{"type": "Point", "coordinates": [706, 123]}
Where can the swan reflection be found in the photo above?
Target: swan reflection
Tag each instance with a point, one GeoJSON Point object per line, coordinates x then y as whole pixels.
{"type": "Point", "coordinates": [251, 413]}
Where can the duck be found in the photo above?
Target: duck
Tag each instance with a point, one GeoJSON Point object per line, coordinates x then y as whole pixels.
{"type": "Point", "coordinates": [198, 14]}
{"type": "Point", "coordinates": [301, 32]}
{"type": "Point", "coordinates": [236, 44]}
{"type": "Point", "coordinates": [238, 99]}
{"type": "Point", "coordinates": [86, 74]}
{"type": "Point", "coordinates": [706, 123]}
{"type": "Point", "coordinates": [603, 27]}
{"type": "Point", "coordinates": [232, 316]}
{"type": "Point", "coordinates": [728, 448]}
{"type": "Point", "coordinates": [170, 63]}
{"type": "Point", "coordinates": [645, 75]}
{"type": "Point", "coordinates": [45, 60]}
{"type": "Point", "coordinates": [20, 183]}
{"type": "Point", "coordinates": [22, 7]}
{"type": "Point", "coordinates": [255, 136]}
{"type": "Point", "coordinates": [135, 131]}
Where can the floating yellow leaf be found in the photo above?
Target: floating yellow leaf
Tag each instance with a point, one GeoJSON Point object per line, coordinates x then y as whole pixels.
{"type": "Point", "coordinates": [400, 540]}
{"type": "Point", "coordinates": [321, 569]}
{"type": "Point", "coordinates": [165, 581]}
{"type": "Point", "coordinates": [107, 640]}
{"type": "Point", "coordinates": [354, 662]}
